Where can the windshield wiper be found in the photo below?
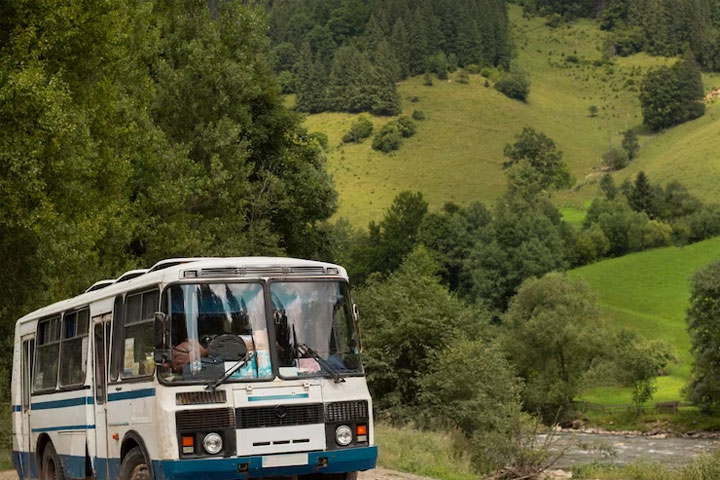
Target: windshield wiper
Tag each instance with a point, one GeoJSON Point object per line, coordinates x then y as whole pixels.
{"type": "Point", "coordinates": [305, 350]}
{"type": "Point", "coordinates": [229, 372]}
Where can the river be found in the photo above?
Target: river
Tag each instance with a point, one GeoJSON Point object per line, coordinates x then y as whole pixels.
{"type": "Point", "coordinates": [621, 449]}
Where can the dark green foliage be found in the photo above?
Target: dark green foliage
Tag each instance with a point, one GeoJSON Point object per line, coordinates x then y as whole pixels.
{"type": "Point", "coordinates": [481, 399]}
{"type": "Point", "coordinates": [607, 186]}
{"type": "Point", "coordinates": [615, 159]}
{"type": "Point", "coordinates": [642, 197]}
{"type": "Point", "coordinates": [702, 316]}
{"type": "Point", "coordinates": [526, 238]}
{"type": "Point", "coordinates": [418, 115]}
{"type": "Point", "coordinates": [310, 80]}
{"type": "Point", "coordinates": [360, 129]}
{"type": "Point", "coordinates": [451, 235]}
{"type": "Point", "coordinates": [398, 38]}
{"type": "Point", "coordinates": [630, 144]}
{"type": "Point", "coordinates": [388, 138]}
{"type": "Point", "coordinates": [593, 110]}
{"type": "Point", "coordinates": [438, 64]}
{"type": "Point", "coordinates": [672, 95]}
{"type": "Point", "coordinates": [534, 162]}
{"type": "Point", "coordinates": [287, 82]}
{"type": "Point", "coordinates": [621, 225]}
{"type": "Point", "coordinates": [283, 56]}
{"type": "Point", "coordinates": [409, 320]}
{"type": "Point", "coordinates": [406, 126]}
{"type": "Point", "coordinates": [357, 86]}
{"type": "Point", "coordinates": [554, 335]}
{"type": "Point", "coordinates": [515, 85]}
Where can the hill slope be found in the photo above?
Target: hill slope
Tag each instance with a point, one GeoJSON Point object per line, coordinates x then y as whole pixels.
{"type": "Point", "coordinates": [648, 292]}
{"type": "Point", "coordinates": [457, 153]}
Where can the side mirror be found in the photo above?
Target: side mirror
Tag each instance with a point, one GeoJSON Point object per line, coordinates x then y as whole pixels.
{"type": "Point", "coordinates": [161, 355]}
{"type": "Point", "coordinates": [356, 316]}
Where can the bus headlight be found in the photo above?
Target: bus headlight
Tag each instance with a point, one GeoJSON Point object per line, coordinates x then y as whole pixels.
{"type": "Point", "coordinates": [343, 435]}
{"type": "Point", "coordinates": [212, 443]}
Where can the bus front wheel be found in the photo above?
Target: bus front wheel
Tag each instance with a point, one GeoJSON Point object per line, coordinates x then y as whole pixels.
{"type": "Point", "coordinates": [134, 466]}
{"type": "Point", "coordinates": [51, 468]}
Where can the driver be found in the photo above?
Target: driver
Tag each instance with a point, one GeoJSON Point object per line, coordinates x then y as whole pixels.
{"type": "Point", "coordinates": [186, 352]}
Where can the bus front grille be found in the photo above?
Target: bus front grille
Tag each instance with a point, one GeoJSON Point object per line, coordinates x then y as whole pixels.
{"type": "Point", "coordinates": [204, 419]}
{"type": "Point", "coordinates": [279, 416]}
{"type": "Point", "coordinates": [346, 411]}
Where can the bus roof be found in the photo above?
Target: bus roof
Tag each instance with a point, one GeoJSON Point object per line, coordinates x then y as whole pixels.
{"type": "Point", "coordinates": [200, 268]}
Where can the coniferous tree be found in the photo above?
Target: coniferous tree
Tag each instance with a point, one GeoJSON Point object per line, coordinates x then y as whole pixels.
{"type": "Point", "coordinates": [310, 82]}
{"type": "Point", "coordinates": [400, 42]}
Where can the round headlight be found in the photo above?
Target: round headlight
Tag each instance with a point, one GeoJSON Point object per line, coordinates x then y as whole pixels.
{"type": "Point", "coordinates": [212, 443]}
{"type": "Point", "coordinates": [343, 435]}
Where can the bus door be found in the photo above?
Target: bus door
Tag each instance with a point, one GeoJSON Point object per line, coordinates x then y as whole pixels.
{"type": "Point", "coordinates": [26, 364]}
{"type": "Point", "coordinates": [101, 348]}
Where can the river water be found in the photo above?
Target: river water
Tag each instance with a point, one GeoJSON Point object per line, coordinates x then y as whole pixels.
{"type": "Point", "coordinates": [585, 448]}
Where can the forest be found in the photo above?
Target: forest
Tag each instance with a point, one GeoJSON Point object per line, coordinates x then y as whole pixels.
{"type": "Point", "coordinates": [659, 27]}
{"type": "Point", "coordinates": [133, 131]}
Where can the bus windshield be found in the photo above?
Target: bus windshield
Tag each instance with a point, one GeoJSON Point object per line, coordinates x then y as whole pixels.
{"type": "Point", "coordinates": [315, 329]}
{"type": "Point", "coordinates": [200, 314]}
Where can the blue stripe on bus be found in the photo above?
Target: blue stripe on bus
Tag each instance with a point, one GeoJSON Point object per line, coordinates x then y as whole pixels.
{"type": "Point", "coordinates": [68, 402]}
{"type": "Point", "coordinates": [145, 392]}
{"type": "Point", "coordinates": [64, 427]}
{"type": "Point", "coordinates": [261, 398]}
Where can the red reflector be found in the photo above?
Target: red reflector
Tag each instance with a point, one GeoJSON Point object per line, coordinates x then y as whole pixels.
{"type": "Point", "coordinates": [188, 441]}
{"type": "Point", "coordinates": [361, 430]}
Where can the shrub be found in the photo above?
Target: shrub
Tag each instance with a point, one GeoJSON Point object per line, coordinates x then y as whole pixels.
{"type": "Point", "coordinates": [418, 115]}
{"type": "Point", "coordinates": [462, 77]}
{"type": "Point", "coordinates": [414, 99]}
{"type": "Point", "coordinates": [572, 59]}
{"type": "Point", "coordinates": [593, 110]}
{"type": "Point", "coordinates": [427, 80]}
{"type": "Point", "coordinates": [406, 126]}
{"type": "Point", "coordinates": [474, 69]}
{"type": "Point", "coordinates": [515, 85]}
{"type": "Point", "coordinates": [615, 158]}
{"type": "Point", "coordinates": [360, 129]}
{"type": "Point", "coordinates": [321, 139]}
{"type": "Point", "coordinates": [481, 399]}
{"type": "Point", "coordinates": [388, 138]}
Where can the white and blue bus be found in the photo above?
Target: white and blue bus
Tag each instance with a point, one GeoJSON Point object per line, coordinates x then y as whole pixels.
{"type": "Point", "coordinates": [197, 368]}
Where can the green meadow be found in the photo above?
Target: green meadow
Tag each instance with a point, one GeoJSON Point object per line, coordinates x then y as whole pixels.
{"type": "Point", "coordinates": [457, 154]}
{"type": "Point", "coordinates": [648, 292]}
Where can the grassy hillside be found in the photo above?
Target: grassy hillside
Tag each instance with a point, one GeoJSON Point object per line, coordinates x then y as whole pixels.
{"type": "Point", "coordinates": [457, 153]}
{"type": "Point", "coordinates": [648, 292]}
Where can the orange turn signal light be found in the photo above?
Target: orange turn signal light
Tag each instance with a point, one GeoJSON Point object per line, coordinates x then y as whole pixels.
{"type": "Point", "coordinates": [361, 430]}
{"type": "Point", "coordinates": [188, 441]}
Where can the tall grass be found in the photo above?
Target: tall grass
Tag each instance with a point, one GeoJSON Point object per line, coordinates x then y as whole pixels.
{"type": "Point", "coordinates": [429, 454]}
{"type": "Point", "coordinates": [706, 467]}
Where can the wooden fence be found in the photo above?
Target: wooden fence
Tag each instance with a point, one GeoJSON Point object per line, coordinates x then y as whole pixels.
{"type": "Point", "coordinates": [660, 407]}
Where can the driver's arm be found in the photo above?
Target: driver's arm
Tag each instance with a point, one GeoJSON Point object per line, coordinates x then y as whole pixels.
{"type": "Point", "coordinates": [186, 352]}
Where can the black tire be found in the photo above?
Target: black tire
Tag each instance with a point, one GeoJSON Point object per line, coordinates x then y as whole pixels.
{"type": "Point", "coordinates": [51, 468]}
{"type": "Point", "coordinates": [135, 466]}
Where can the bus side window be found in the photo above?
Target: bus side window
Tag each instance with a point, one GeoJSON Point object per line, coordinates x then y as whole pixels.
{"type": "Point", "coordinates": [139, 334]}
{"type": "Point", "coordinates": [48, 348]}
{"type": "Point", "coordinates": [116, 355]}
{"type": "Point", "coordinates": [74, 348]}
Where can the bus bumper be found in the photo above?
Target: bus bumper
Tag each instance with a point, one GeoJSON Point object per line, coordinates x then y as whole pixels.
{"type": "Point", "coordinates": [336, 461]}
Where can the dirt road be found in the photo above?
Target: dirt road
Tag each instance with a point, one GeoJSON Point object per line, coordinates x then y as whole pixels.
{"type": "Point", "coordinates": [377, 474]}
